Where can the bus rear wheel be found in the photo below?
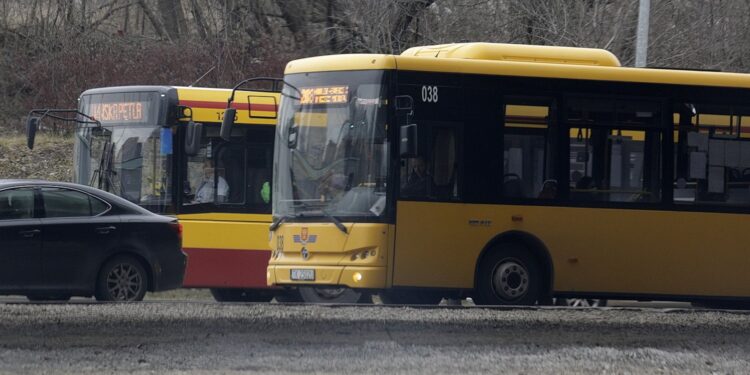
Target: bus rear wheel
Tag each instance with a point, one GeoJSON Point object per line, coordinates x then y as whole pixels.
{"type": "Point", "coordinates": [509, 275]}
{"type": "Point", "coordinates": [241, 295]}
{"type": "Point", "coordinates": [331, 294]}
{"type": "Point", "coordinates": [410, 297]}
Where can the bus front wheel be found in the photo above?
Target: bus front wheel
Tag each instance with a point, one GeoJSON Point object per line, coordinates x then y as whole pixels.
{"type": "Point", "coordinates": [509, 275]}
{"type": "Point", "coordinates": [331, 294]}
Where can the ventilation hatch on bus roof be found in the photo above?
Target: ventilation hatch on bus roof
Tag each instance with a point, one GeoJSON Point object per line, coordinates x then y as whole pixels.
{"type": "Point", "coordinates": [517, 52]}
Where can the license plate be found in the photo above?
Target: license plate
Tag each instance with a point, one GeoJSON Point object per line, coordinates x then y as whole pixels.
{"type": "Point", "coordinates": [302, 275]}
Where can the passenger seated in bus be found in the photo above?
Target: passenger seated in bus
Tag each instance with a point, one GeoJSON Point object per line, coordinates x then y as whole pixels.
{"type": "Point", "coordinates": [417, 181]}
{"type": "Point", "coordinates": [205, 191]}
{"type": "Point", "coordinates": [584, 189]}
{"type": "Point", "coordinates": [549, 190]}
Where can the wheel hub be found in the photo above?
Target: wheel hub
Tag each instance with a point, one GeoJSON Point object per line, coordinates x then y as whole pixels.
{"type": "Point", "coordinates": [510, 280]}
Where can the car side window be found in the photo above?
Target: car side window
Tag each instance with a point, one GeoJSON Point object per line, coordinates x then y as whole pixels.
{"type": "Point", "coordinates": [60, 202]}
{"type": "Point", "coordinates": [17, 204]}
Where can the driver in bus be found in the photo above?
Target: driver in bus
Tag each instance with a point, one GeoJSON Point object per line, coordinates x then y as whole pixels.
{"type": "Point", "coordinates": [418, 179]}
{"type": "Point", "coordinates": [205, 192]}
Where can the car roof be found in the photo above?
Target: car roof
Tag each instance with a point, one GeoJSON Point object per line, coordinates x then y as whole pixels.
{"type": "Point", "coordinates": [109, 197]}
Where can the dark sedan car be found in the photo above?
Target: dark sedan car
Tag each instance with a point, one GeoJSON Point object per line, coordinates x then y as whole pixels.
{"type": "Point", "coordinates": [59, 240]}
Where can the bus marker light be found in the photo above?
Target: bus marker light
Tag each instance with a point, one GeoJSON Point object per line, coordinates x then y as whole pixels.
{"type": "Point", "coordinates": [357, 277]}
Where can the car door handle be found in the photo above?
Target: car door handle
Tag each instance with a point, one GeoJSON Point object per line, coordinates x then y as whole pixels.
{"type": "Point", "coordinates": [105, 230]}
{"type": "Point", "coordinates": [29, 233]}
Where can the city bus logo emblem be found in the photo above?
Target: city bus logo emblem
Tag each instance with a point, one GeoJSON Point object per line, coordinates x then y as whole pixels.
{"type": "Point", "coordinates": [304, 237]}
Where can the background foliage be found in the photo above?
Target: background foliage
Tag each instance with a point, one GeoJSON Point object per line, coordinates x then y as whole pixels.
{"type": "Point", "coordinates": [52, 50]}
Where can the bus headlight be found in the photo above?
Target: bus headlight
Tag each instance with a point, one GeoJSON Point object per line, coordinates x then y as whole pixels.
{"type": "Point", "coordinates": [357, 277]}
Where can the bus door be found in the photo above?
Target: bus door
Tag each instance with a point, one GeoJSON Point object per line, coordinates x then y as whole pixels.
{"type": "Point", "coordinates": [424, 247]}
{"type": "Point", "coordinates": [607, 236]}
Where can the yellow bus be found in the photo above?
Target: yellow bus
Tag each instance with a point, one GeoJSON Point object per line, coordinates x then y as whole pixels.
{"type": "Point", "coordinates": [160, 147]}
{"type": "Point", "coordinates": [512, 174]}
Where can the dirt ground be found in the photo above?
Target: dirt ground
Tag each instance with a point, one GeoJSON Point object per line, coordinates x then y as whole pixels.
{"type": "Point", "coordinates": [208, 337]}
{"type": "Point", "coordinates": [51, 159]}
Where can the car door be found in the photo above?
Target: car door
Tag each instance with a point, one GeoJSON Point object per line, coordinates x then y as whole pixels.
{"type": "Point", "coordinates": [77, 234]}
{"type": "Point", "coordinates": [20, 241]}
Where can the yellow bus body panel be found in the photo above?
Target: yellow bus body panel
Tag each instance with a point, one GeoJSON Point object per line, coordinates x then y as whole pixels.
{"type": "Point", "coordinates": [334, 256]}
{"type": "Point", "coordinates": [592, 249]}
{"type": "Point", "coordinates": [225, 231]}
{"type": "Point", "coordinates": [208, 104]}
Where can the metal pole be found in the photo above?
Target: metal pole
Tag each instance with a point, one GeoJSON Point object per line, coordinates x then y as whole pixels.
{"type": "Point", "coordinates": [641, 41]}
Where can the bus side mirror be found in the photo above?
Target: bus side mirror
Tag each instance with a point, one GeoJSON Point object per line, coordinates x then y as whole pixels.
{"type": "Point", "coordinates": [31, 125]}
{"type": "Point", "coordinates": [292, 138]}
{"type": "Point", "coordinates": [408, 141]}
{"type": "Point", "coordinates": [227, 123]}
{"type": "Point", "coordinates": [193, 138]}
{"type": "Point", "coordinates": [404, 104]}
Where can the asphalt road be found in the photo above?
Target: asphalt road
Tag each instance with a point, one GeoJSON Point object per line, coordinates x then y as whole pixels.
{"type": "Point", "coordinates": [207, 337]}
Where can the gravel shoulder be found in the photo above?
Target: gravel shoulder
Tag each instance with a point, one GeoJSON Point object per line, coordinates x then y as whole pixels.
{"type": "Point", "coordinates": [196, 337]}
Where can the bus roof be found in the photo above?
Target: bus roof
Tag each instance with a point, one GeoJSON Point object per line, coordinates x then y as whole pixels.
{"type": "Point", "coordinates": [517, 60]}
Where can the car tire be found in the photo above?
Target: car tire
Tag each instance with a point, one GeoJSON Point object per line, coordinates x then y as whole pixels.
{"type": "Point", "coordinates": [48, 297]}
{"type": "Point", "coordinates": [508, 275]}
{"type": "Point", "coordinates": [241, 295]}
{"type": "Point", "coordinates": [410, 297]}
{"type": "Point", "coordinates": [122, 279]}
{"type": "Point", "coordinates": [326, 294]}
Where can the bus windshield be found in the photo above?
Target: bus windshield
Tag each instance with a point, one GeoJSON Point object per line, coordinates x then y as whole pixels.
{"type": "Point", "coordinates": [331, 146]}
{"type": "Point", "coordinates": [130, 154]}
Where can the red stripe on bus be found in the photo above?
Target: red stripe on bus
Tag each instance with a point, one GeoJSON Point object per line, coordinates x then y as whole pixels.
{"type": "Point", "coordinates": [222, 268]}
{"type": "Point", "coordinates": [223, 105]}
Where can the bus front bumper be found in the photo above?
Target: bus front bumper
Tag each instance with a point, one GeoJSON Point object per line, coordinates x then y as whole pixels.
{"type": "Point", "coordinates": [350, 276]}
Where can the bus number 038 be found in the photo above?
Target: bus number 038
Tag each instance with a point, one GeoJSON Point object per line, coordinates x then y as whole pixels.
{"type": "Point", "coordinates": [430, 94]}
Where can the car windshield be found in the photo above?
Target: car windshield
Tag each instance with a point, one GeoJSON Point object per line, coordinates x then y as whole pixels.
{"type": "Point", "coordinates": [331, 146]}
{"type": "Point", "coordinates": [130, 155]}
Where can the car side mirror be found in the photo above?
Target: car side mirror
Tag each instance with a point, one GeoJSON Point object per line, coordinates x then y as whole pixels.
{"type": "Point", "coordinates": [193, 138]}
{"type": "Point", "coordinates": [227, 123]}
{"type": "Point", "coordinates": [31, 126]}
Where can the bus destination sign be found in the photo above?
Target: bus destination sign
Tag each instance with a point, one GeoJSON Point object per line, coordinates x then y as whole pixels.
{"type": "Point", "coordinates": [119, 111]}
{"type": "Point", "coordinates": [324, 95]}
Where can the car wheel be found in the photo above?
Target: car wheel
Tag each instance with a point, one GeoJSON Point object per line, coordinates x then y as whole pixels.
{"type": "Point", "coordinates": [241, 295]}
{"type": "Point", "coordinates": [122, 278]}
{"type": "Point", "coordinates": [509, 275]}
{"type": "Point", "coordinates": [48, 297]}
{"type": "Point", "coordinates": [580, 302]}
{"type": "Point", "coordinates": [336, 294]}
{"type": "Point", "coordinates": [410, 297]}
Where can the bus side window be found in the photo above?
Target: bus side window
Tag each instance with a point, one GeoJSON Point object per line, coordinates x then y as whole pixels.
{"type": "Point", "coordinates": [712, 155]}
{"type": "Point", "coordinates": [528, 170]}
{"type": "Point", "coordinates": [435, 177]}
{"type": "Point", "coordinates": [615, 149]}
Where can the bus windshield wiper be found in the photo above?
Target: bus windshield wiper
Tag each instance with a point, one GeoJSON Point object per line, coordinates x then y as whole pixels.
{"type": "Point", "coordinates": [278, 221]}
{"type": "Point", "coordinates": [335, 221]}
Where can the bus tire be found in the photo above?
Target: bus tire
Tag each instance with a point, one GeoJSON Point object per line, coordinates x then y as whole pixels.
{"type": "Point", "coordinates": [123, 279]}
{"type": "Point", "coordinates": [288, 295]}
{"type": "Point", "coordinates": [410, 297]}
{"type": "Point", "coordinates": [241, 295]}
{"type": "Point", "coordinates": [508, 275]}
{"type": "Point", "coordinates": [332, 294]}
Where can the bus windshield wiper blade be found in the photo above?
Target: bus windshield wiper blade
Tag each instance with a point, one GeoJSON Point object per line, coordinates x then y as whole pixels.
{"type": "Point", "coordinates": [335, 221]}
{"type": "Point", "coordinates": [277, 222]}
